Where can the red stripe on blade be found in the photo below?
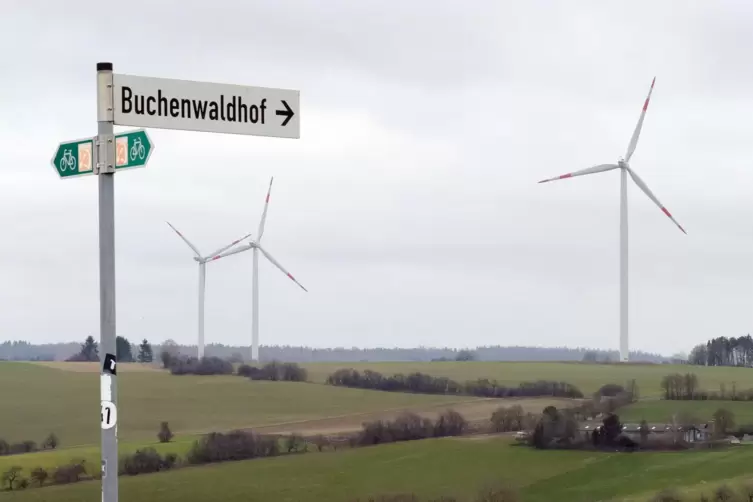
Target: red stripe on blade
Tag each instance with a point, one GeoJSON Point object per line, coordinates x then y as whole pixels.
{"type": "Point", "coordinates": [568, 175]}
{"type": "Point", "coordinates": [664, 210]}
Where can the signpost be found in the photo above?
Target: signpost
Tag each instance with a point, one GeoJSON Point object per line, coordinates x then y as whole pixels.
{"type": "Point", "coordinates": [166, 104]}
{"type": "Point", "coordinates": [201, 106]}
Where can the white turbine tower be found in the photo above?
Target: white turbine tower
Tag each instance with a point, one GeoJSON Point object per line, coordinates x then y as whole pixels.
{"type": "Point", "coordinates": [624, 166]}
{"type": "Point", "coordinates": [255, 246]}
{"type": "Point", "coordinates": [202, 260]}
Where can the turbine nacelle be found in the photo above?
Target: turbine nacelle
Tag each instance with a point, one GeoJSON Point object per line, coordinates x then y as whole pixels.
{"type": "Point", "coordinates": [622, 163]}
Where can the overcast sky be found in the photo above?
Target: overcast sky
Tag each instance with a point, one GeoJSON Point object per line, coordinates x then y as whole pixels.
{"type": "Point", "coordinates": [410, 207]}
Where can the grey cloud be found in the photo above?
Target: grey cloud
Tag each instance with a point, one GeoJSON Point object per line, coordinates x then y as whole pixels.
{"type": "Point", "coordinates": [409, 207]}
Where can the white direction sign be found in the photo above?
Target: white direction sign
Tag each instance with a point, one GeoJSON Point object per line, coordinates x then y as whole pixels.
{"type": "Point", "coordinates": [202, 106]}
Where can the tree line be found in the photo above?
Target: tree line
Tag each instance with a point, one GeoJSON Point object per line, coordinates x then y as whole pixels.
{"type": "Point", "coordinates": [426, 384]}
{"type": "Point", "coordinates": [237, 445]}
{"type": "Point", "coordinates": [89, 351]}
{"type": "Point", "coordinates": [686, 387]}
{"type": "Point", "coordinates": [24, 351]}
{"type": "Point", "coordinates": [723, 351]}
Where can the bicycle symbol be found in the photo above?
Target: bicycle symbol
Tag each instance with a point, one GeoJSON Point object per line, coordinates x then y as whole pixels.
{"type": "Point", "coordinates": [68, 161]}
{"type": "Point", "coordinates": [138, 150]}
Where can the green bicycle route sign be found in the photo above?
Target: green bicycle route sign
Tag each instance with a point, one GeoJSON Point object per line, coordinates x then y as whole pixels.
{"type": "Point", "coordinates": [74, 158]}
{"type": "Point", "coordinates": [78, 157]}
{"type": "Point", "coordinates": [132, 149]}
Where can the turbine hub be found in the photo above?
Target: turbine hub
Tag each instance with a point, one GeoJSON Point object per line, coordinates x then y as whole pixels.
{"type": "Point", "coordinates": [622, 163]}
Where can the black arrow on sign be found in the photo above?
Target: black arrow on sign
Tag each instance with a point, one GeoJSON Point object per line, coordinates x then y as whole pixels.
{"type": "Point", "coordinates": [287, 112]}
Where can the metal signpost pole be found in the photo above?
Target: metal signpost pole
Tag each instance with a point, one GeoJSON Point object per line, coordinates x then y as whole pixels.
{"type": "Point", "coordinates": [108, 386]}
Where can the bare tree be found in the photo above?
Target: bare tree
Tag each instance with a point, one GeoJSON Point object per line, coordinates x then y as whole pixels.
{"type": "Point", "coordinates": [11, 475]}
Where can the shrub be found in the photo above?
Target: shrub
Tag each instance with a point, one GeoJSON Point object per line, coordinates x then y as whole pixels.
{"type": "Point", "coordinates": [724, 494]}
{"type": "Point", "coordinates": [165, 434]}
{"type": "Point", "coordinates": [146, 461]}
{"type": "Point", "coordinates": [409, 427]}
{"type": "Point", "coordinates": [497, 493]}
{"type": "Point", "coordinates": [40, 475]}
{"type": "Point", "coordinates": [667, 495]}
{"type": "Point", "coordinates": [724, 421]}
{"type": "Point", "coordinates": [397, 497]}
{"type": "Point", "coordinates": [610, 390]}
{"type": "Point", "coordinates": [376, 432]}
{"type": "Point", "coordinates": [280, 372]}
{"type": "Point", "coordinates": [166, 358]}
{"type": "Point", "coordinates": [4, 447]}
{"type": "Point", "coordinates": [748, 491]}
{"type": "Point", "coordinates": [320, 442]}
{"type": "Point", "coordinates": [11, 476]}
{"type": "Point", "coordinates": [70, 473]}
{"type": "Point", "coordinates": [51, 442]}
{"type": "Point", "coordinates": [295, 443]}
{"type": "Point", "coordinates": [450, 423]}
{"type": "Point", "coordinates": [23, 447]}
{"type": "Point", "coordinates": [246, 370]}
{"type": "Point", "coordinates": [508, 419]}
{"type": "Point", "coordinates": [204, 366]}
{"type": "Point", "coordinates": [235, 445]}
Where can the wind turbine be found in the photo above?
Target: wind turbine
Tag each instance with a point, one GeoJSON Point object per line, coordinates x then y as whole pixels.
{"type": "Point", "coordinates": [623, 164]}
{"type": "Point", "coordinates": [202, 260]}
{"type": "Point", "coordinates": [256, 247]}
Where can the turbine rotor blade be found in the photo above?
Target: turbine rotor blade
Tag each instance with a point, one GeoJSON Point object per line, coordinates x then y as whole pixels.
{"type": "Point", "coordinates": [225, 248]}
{"type": "Point", "coordinates": [282, 269]}
{"type": "Point", "coordinates": [264, 213]}
{"type": "Point", "coordinates": [639, 126]}
{"type": "Point", "coordinates": [650, 195]}
{"type": "Point", "coordinates": [195, 250]}
{"type": "Point", "coordinates": [589, 170]}
{"type": "Point", "coordinates": [237, 250]}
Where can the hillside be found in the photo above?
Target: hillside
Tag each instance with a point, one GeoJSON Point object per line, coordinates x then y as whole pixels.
{"type": "Point", "coordinates": [588, 377]}
{"type": "Point", "coordinates": [38, 400]}
{"type": "Point", "coordinates": [430, 468]}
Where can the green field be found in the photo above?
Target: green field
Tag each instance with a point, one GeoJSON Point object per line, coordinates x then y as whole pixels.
{"type": "Point", "coordinates": [662, 411]}
{"type": "Point", "coordinates": [50, 459]}
{"type": "Point", "coordinates": [37, 400]}
{"type": "Point", "coordinates": [588, 377]}
{"type": "Point", "coordinates": [428, 468]}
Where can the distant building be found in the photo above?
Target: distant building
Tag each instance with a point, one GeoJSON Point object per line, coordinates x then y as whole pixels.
{"type": "Point", "coordinates": [689, 434]}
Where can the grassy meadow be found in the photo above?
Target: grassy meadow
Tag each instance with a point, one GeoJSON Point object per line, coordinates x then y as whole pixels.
{"type": "Point", "coordinates": [662, 411]}
{"type": "Point", "coordinates": [430, 468]}
{"type": "Point", "coordinates": [587, 377]}
{"type": "Point", "coordinates": [50, 459]}
{"type": "Point", "coordinates": [63, 398]}
{"type": "Point", "coordinates": [38, 400]}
